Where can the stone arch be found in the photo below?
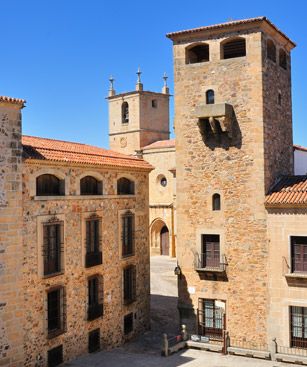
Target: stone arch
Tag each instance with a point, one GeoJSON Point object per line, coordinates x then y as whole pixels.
{"type": "Point", "coordinates": [160, 242]}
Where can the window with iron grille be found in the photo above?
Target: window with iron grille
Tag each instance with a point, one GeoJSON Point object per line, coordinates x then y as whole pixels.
{"type": "Point", "coordinates": [210, 251]}
{"type": "Point", "coordinates": [210, 319]}
{"type": "Point", "coordinates": [90, 186]}
{"type": "Point", "coordinates": [95, 297]}
{"type": "Point", "coordinates": [210, 96]}
{"type": "Point", "coordinates": [55, 311]}
{"type": "Point", "coordinates": [129, 275]}
{"type": "Point", "coordinates": [299, 254]}
{"type": "Point", "coordinates": [234, 48]}
{"type": "Point", "coordinates": [298, 327]}
{"type": "Point", "coordinates": [53, 238]}
{"type": "Point", "coordinates": [55, 356]}
{"type": "Point", "coordinates": [127, 234]}
{"type": "Point", "coordinates": [125, 186]}
{"type": "Point", "coordinates": [128, 323]}
{"type": "Point", "coordinates": [94, 340]}
{"type": "Point", "coordinates": [49, 185]}
{"type": "Point", "coordinates": [93, 242]}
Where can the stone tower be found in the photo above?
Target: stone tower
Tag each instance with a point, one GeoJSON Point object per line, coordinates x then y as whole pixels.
{"type": "Point", "coordinates": [11, 250]}
{"type": "Point", "coordinates": [233, 124]}
{"type": "Point", "coordinates": [137, 118]}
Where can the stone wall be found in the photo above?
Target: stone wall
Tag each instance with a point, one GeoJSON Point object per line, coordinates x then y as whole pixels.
{"type": "Point", "coordinates": [236, 168]}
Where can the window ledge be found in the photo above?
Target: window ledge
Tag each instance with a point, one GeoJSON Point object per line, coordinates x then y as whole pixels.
{"type": "Point", "coordinates": [47, 276]}
{"type": "Point", "coordinates": [55, 333]}
{"type": "Point", "coordinates": [296, 275]}
{"type": "Point", "coordinates": [82, 197]}
{"type": "Point", "coordinates": [211, 270]}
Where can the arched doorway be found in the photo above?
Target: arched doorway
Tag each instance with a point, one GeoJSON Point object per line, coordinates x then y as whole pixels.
{"type": "Point", "coordinates": [164, 241]}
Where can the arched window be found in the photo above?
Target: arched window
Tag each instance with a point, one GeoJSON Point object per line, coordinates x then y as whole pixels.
{"type": "Point", "coordinates": [234, 48]}
{"type": "Point", "coordinates": [271, 50]}
{"type": "Point", "coordinates": [125, 113]}
{"type": "Point", "coordinates": [198, 53]}
{"type": "Point", "coordinates": [210, 96]}
{"type": "Point", "coordinates": [90, 186]}
{"type": "Point", "coordinates": [216, 202]}
{"type": "Point", "coordinates": [49, 185]}
{"type": "Point", "coordinates": [125, 186]}
{"type": "Point", "coordinates": [283, 59]}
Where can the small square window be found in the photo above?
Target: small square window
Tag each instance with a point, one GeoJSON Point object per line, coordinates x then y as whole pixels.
{"type": "Point", "coordinates": [55, 356]}
{"type": "Point", "coordinates": [154, 103]}
{"type": "Point", "coordinates": [128, 323]}
{"type": "Point", "coordinates": [94, 340]}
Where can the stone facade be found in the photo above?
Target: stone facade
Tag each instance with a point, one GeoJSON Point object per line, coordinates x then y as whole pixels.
{"type": "Point", "coordinates": [239, 163]}
{"type": "Point", "coordinates": [24, 337]}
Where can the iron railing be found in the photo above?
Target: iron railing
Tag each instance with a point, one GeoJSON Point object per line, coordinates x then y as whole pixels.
{"type": "Point", "coordinates": [94, 311]}
{"type": "Point", "coordinates": [203, 263]}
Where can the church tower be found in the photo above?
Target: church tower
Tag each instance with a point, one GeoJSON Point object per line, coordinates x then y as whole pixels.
{"type": "Point", "coordinates": [137, 118]}
{"type": "Point", "coordinates": [233, 121]}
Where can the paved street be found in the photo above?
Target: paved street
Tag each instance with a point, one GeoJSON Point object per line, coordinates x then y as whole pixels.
{"type": "Point", "coordinates": [146, 350]}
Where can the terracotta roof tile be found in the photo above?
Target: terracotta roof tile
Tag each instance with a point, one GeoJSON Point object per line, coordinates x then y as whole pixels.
{"type": "Point", "coordinates": [299, 147]}
{"type": "Point", "coordinates": [290, 190]}
{"type": "Point", "coordinates": [170, 143]}
{"type": "Point", "coordinates": [229, 24]}
{"type": "Point", "coordinates": [64, 151]}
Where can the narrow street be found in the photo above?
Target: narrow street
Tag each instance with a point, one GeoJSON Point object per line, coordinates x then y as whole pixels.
{"type": "Point", "coordinates": [146, 350]}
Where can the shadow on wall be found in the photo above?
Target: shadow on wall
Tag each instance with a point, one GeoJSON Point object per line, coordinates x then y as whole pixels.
{"type": "Point", "coordinates": [187, 313]}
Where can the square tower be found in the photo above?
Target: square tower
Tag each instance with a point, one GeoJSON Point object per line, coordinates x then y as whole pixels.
{"type": "Point", "coordinates": [233, 124]}
{"type": "Point", "coordinates": [137, 119]}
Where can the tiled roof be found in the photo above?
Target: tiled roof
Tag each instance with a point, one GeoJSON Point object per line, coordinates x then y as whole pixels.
{"type": "Point", "coordinates": [229, 24]}
{"type": "Point", "coordinates": [299, 147]}
{"type": "Point", "coordinates": [63, 151]}
{"type": "Point", "coordinates": [290, 190]}
{"type": "Point", "coordinates": [12, 100]}
{"type": "Point", "coordinates": [170, 143]}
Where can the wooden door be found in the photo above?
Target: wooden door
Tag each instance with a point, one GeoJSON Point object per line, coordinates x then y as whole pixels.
{"type": "Point", "coordinates": [164, 241]}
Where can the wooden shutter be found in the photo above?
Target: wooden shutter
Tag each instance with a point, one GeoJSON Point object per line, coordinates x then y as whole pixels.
{"type": "Point", "coordinates": [211, 250]}
{"type": "Point", "coordinates": [299, 254]}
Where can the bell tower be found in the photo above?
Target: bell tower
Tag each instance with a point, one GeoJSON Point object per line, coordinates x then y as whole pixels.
{"type": "Point", "coordinates": [137, 118]}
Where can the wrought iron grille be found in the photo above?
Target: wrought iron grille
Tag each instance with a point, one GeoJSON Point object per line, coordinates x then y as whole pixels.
{"type": "Point", "coordinates": [55, 311]}
{"type": "Point", "coordinates": [298, 327]}
{"type": "Point", "coordinates": [210, 319]}
{"type": "Point", "coordinates": [129, 275]}
{"type": "Point", "coordinates": [53, 242]}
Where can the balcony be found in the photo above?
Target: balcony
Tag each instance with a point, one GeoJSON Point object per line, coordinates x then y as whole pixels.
{"type": "Point", "coordinates": [212, 265]}
{"type": "Point", "coordinates": [93, 259]}
{"type": "Point", "coordinates": [94, 311]}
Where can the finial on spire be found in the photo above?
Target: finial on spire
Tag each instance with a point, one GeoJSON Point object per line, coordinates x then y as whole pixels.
{"type": "Point", "coordinates": [139, 85]}
{"type": "Point", "coordinates": [165, 88]}
{"type": "Point", "coordinates": [111, 88]}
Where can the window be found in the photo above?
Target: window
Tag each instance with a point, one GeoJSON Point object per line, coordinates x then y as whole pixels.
{"type": "Point", "coordinates": [127, 234]}
{"type": "Point", "coordinates": [53, 234]}
{"type": "Point", "coordinates": [210, 96]}
{"type": "Point", "coordinates": [49, 185]}
{"type": "Point", "coordinates": [93, 249]}
{"type": "Point", "coordinates": [163, 181]}
{"type": "Point", "coordinates": [298, 327]}
{"type": "Point", "coordinates": [94, 340]}
{"type": "Point", "coordinates": [210, 318]}
{"type": "Point", "coordinates": [55, 356]}
{"type": "Point", "coordinates": [197, 53]}
{"type": "Point", "coordinates": [234, 48]}
{"type": "Point", "coordinates": [210, 251]}
{"type": "Point", "coordinates": [279, 99]}
{"type": "Point", "coordinates": [125, 186]}
{"type": "Point", "coordinates": [95, 292]}
{"type": "Point", "coordinates": [271, 50]}
{"type": "Point", "coordinates": [216, 202]}
{"type": "Point", "coordinates": [283, 59]}
{"type": "Point", "coordinates": [125, 113]}
{"type": "Point", "coordinates": [90, 186]}
{"type": "Point", "coordinates": [299, 254]}
{"type": "Point", "coordinates": [128, 323]}
{"type": "Point", "coordinates": [55, 311]}
{"type": "Point", "coordinates": [129, 274]}
{"type": "Point", "coordinates": [154, 103]}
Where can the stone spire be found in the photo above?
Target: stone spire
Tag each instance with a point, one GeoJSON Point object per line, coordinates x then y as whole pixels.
{"type": "Point", "coordinates": [165, 89]}
{"type": "Point", "coordinates": [139, 84]}
{"type": "Point", "coordinates": [111, 87]}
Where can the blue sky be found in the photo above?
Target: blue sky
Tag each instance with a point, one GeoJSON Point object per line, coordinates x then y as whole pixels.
{"type": "Point", "coordinates": [58, 55]}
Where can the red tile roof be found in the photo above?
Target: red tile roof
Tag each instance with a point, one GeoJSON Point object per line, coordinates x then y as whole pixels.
{"type": "Point", "coordinates": [229, 24]}
{"type": "Point", "coordinates": [289, 191]}
{"type": "Point", "coordinates": [170, 143]}
{"type": "Point", "coordinates": [64, 151]}
{"type": "Point", "coordinates": [12, 100]}
{"type": "Point", "coordinates": [299, 147]}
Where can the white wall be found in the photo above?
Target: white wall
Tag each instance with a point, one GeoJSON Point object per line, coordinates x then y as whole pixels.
{"type": "Point", "coordinates": [300, 162]}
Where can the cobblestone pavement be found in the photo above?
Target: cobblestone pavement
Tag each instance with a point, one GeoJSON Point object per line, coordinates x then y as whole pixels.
{"type": "Point", "coordinates": [146, 350]}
